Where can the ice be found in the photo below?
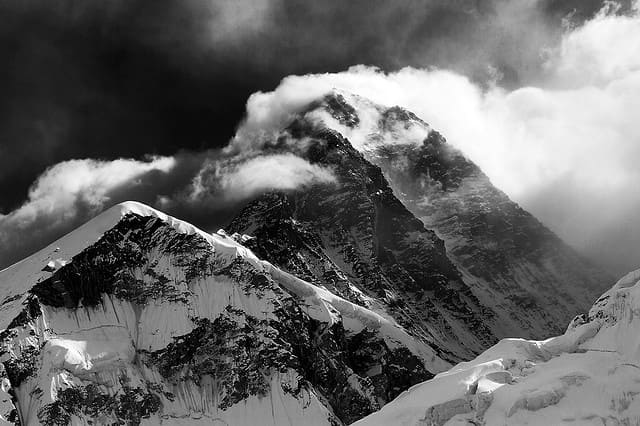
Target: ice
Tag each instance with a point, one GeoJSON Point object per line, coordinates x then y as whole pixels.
{"type": "Point", "coordinates": [587, 376]}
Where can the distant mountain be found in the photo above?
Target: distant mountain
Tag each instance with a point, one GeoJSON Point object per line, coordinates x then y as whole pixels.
{"type": "Point", "coordinates": [139, 318]}
{"type": "Point", "coordinates": [515, 266]}
{"type": "Point", "coordinates": [587, 376]}
{"type": "Point", "coordinates": [489, 270]}
{"type": "Point", "coordinates": [358, 240]}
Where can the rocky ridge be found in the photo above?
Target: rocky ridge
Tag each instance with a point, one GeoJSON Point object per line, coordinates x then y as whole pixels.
{"type": "Point", "coordinates": [358, 240]}
{"type": "Point", "coordinates": [139, 318]}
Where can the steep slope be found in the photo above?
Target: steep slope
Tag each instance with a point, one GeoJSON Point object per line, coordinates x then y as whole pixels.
{"type": "Point", "coordinates": [359, 241]}
{"type": "Point", "coordinates": [139, 318]}
{"type": "Point", "coordinates": [513, 264]}
{"type": "Point", "coordinates": [588, 376]}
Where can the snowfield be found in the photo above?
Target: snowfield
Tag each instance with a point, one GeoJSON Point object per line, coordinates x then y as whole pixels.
{"type": "Point", "coordinates": [588, 376]}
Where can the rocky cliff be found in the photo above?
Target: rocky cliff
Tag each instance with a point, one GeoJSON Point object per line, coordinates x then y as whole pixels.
{"type": "Point", "coordinates": [139, 318]}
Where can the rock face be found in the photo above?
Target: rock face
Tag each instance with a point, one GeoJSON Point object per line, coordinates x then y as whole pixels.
{"type": "Point", "coordinates": [587, 376]}
{"type": "Point", "coordinates": [146, 319]}
{"type": "Point", "coordinates": [489, 270]}
{"type": "Point", "coordinates": [513, 265]}
{"type": "Point", "coordinates": [359, 241]}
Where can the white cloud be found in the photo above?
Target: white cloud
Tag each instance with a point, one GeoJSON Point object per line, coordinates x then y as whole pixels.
{"type": "Point", "coordinates": [567, 150]}
{"type": "Point", "coordinates": [235, 19]}
{"type": "Point", "coordinates": [269, 172]}
{"type": "Point", "coordinates": [236, 178]}
{"type": "Point", "coordinates": [57, 193]}
{"type": "Point", "coordinates": [605, 49]}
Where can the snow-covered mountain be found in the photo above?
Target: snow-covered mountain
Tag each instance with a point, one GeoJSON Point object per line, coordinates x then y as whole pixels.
{"type": "Point", "coordinates": [522, 272]}
{"type": "Point", "coordinates": [140, 318]}
{"type": "Point", "coordinates": [490, 270]}
{"type": "Point", "coordinates": [587, 376]}
{"type": "Point", "coordinates": [358, 240]}
{"type": "Point", "coordinates": [318, 305]}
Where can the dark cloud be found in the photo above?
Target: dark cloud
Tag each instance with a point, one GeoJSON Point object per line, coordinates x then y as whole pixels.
{"type": "Point", "coordinates": [88, 79]}
{"type": "Point", "coordinates": [127, 78]}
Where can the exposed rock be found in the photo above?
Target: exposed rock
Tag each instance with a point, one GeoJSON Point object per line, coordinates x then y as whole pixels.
{"type": "Point", "coordinates": [531, 280]}
{"type": "Point", "coordinates": [157, 321]}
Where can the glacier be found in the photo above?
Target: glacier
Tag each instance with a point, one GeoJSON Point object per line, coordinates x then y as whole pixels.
{"type": "Point", "coordinates": [587, 376]}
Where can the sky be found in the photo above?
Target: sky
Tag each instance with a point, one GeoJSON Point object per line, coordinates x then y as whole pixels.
{"type": "Point", "coordinates": [160, 102]}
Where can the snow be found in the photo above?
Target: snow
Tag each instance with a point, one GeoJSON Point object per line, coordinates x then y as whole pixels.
{"type": "Point", "coordinates": [99, 344]}
{"type": "Point", "coordinates": [18, 278]}
{"type": "Point", "coordinates": [277, 409]}
{"type": "Point", "coordinates": [323, 305]}
{"type": "Point", "coordinates": [589, 375]}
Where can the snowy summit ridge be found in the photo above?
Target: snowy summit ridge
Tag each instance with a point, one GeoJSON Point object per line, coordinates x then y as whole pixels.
{"type": "Point", "coordinates": [147, 319]}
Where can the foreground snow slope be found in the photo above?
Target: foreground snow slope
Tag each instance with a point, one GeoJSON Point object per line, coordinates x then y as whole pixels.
{"type": "Point", "coordinates": [588, 376]}
{"type": "Point", "coordinates": [137, 317]}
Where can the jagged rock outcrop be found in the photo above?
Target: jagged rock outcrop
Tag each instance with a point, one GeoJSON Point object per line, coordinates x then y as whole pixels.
{"type": "Point", "coordinates": [587, 376]}
{"type": "Point", "coordinates": [144, 319]}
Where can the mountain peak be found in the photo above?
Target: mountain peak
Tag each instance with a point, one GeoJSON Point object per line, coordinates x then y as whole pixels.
{"type": "Point", "coordinates": [344, 295]}
{"type": "Point", "coordinates": [16, 278]}
{"type": "Point", "coordinates": [512, 263]}
{"type": "Point", "coordinates": [156, 318]}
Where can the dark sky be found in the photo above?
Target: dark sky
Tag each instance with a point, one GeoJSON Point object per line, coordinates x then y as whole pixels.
{"type": "Point", "coordinates": [86, 79]}
{"type": "Point", "coordinates": [128, 78]}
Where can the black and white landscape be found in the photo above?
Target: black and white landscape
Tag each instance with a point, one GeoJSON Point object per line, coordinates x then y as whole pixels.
{"type": "Point", "coordinates": [243, 225]}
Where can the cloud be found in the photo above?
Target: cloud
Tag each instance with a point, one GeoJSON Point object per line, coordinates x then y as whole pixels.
{"type": "Point", "coordinates": [231, 179]}
{"type": "Point", "coordinates": [600, 52]}
{"type": "Point", "coordinates": [206, 188]}
{"type": "Point", "coordinates": [566, 149]}
{"type": "Point", "coordinates": [123, 78]}
{"type": "Point", "coordinates": [178, 77]}
{"type": "Point", "coordinates": [233, 21]}
{"type": "Point", "coordinates": [67, 193]}
{"type": "Point", "coordinates": [62, 186]}
{"type": "Point", "coordinates": [272, 172]}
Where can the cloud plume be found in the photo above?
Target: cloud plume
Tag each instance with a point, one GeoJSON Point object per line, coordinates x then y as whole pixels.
{"type": "Point", "coordinates": [565, 149]}
{"type": "Point", "coordinates": [263, 173]}
{"type": "Point", "coordinates": [91, 79]}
